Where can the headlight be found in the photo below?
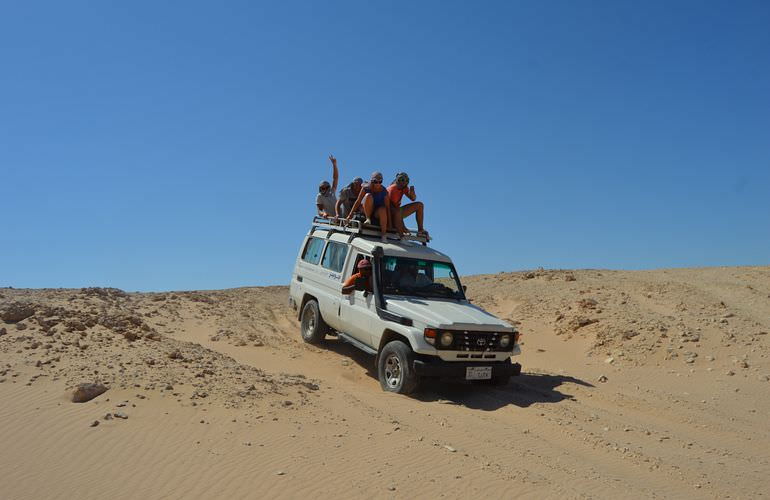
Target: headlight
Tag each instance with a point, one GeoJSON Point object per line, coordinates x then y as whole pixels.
{"type": "Point", "coordinates": [505, 340]}
{"type": "Point", "coordinates": [446, 339]}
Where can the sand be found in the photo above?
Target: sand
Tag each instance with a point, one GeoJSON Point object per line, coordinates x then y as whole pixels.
{"type": "Point", "coordinates": [635, 385]}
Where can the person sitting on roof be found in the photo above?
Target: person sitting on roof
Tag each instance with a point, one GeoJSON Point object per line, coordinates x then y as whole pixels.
{"type": "Point", "coordinates": [325, 201]}
{"type": "Point", "coordinates": [376, 204]}
{"type": "Point", "coordinates": [396, 191]}
{"type": "Point", "coordinates": [362, 280]}
{"type": "Point", "coordinates": [348, 196]}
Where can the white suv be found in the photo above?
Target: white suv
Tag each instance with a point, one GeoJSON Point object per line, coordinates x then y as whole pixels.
{"type": "Point", "coordinates": [417, 322]}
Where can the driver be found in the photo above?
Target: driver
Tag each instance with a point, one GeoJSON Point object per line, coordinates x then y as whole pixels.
{"type": "Point", "coordinates": [364, 274]}
{"type": "Point", "coordinates": [409, 277]}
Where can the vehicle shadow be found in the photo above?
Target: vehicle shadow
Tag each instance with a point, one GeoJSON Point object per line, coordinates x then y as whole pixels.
{"type": "Point", "coordinates": [522, 391]}
{"type": "Point", "coordinates": [347, 351]}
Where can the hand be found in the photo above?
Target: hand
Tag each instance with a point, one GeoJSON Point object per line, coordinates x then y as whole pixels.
{"type": "Point", "coordinates": [411, 190]}
{"type": "Point", "coordinates": [333, 159]}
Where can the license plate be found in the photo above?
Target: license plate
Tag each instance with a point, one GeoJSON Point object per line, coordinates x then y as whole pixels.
{"type": "Point", "coordinates": [478, 373]}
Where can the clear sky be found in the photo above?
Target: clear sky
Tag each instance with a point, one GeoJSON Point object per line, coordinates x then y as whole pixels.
{"type": "Point", "coordinates": [179, 145]}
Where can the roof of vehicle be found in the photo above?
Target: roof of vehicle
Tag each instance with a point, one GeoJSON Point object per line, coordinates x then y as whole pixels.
{"type": "Point", "coordinates": [394, 248]}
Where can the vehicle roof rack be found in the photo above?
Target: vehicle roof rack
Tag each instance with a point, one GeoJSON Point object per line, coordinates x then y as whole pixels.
{"type": "Point", "coordinates": [357, 228]}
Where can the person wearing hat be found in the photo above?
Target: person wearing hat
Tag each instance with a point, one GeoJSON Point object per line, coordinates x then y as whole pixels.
{"type": "Point", "coordinates": [325, 201]}
{"type": "Point", "coordinates": [362, 277]}
{"type": "Point", "coordinates": [398, 190]}
{"type": "Point", "coordinates": [348, 196]}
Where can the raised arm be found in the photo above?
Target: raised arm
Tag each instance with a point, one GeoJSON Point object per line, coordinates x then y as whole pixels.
{"type": "Point", "coordinates": [411, 194]}
{"type": "Point", "coordinates": [337, 207]}
{"type": "Point", "coordinates": [336, 174]}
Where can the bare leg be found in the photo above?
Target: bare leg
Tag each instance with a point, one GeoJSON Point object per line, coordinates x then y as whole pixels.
{"type": "Point", "coordinates": [396, 221]}
{"type": "Point", "coordinates": [382, 214]}
{"type": "Point", "coordinates": [416, 207]}
{"type": "Point", "coordinates": [368, 204]}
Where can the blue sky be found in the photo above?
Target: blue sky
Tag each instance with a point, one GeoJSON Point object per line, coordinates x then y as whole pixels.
{"type": "Point", "coordinates": [179, 145]}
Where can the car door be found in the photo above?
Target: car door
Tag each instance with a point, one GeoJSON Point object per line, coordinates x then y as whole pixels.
{"type": "Point", "coordinates": [333, 263]}
{"type": "Point", "coordinates": [358, 308]}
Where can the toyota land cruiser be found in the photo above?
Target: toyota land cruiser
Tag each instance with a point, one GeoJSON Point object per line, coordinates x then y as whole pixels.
{"type": "Point", "coordinates": [416, 321]}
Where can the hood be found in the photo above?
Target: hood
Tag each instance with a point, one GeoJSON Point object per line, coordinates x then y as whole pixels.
{"type": "Point", "coordinates": [448, 314]}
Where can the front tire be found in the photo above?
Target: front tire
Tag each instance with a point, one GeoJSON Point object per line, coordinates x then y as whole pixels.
{"type": "Point", "coordinates": [313, 328]}
{"type": "Point", "coordinates": [395, 368]}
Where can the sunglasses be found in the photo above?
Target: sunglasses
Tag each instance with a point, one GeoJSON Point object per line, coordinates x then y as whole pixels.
{"type": "Point", "coordinates": [404, 180]}
{"type": "Point", "coordinates": [376, 181]}
{"type": "Point", "coordinates": [325, 188]}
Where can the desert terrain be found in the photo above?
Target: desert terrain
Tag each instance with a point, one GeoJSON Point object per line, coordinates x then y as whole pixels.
{"type": "Point", "coordinates": [635, 384]}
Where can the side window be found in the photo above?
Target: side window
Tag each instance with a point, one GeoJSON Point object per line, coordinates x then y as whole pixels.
{"type": "Point", "coordinates": [334, 257]}
{"type": "Point", "coordinates": [312, 253]}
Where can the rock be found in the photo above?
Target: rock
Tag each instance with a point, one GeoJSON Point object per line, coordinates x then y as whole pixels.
{"type": "Point", "coordinates": [729, 373]}
{"type": "Point", "coordinates": [449, 448]}
{"type": "Point", "coordinates": [609, 360]}
{"type": "Point", "coordinates": [603, 379]}
{"type": "Point", "coordinates": [21, 326]}
{"type": "Point", "coordinates": [94, 423]}
{"type": "Point", "coordinates": [3, 331]}
{"type": "Point", "coordinates": [175, 354]}
{"type": "Point", "coordinates": [280, 473]}
{"type": "Point", "coordinates": [87, 392]}
{"type": "Point", "coordinates": [108, 416]}
{"type": "Point", "coordinates": [120, 414]}
{"type": "Point", "coordinates": [13, 312]}
{"type": "Point", "coordinates": [569, 277]}
{"type": "Point", "coordinates": [391, 488]}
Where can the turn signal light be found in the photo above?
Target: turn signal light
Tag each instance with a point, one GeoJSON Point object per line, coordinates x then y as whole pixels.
{"type": "Point", "coordinates": [430, 335]}
{"type": "Point", "coordinates": [516, 336]}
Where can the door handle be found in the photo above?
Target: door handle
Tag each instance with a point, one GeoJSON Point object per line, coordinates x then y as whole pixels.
{"type": "Point", "coordinates": [299, 278]}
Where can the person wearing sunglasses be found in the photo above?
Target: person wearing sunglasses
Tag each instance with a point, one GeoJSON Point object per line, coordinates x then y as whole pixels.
{"type": "Point", "coordinates": [374, 198]}
{"type": "Point", "coordinates": [325, 201]}
{"type": "Point", "coordinates": [398, 190]}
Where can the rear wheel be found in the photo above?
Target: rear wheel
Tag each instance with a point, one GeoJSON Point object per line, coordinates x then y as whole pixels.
{"type": "Point", "coordinates": [313, 327]}
{"type": "Point", "coordinates": [395, 368]}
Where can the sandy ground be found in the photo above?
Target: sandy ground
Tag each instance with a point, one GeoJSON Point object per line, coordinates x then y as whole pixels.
{"type": "Point", "coordinates": [634, 385]}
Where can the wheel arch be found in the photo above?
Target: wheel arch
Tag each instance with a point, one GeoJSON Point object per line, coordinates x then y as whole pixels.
{"type": "Point", "coordinates": [305, 298]}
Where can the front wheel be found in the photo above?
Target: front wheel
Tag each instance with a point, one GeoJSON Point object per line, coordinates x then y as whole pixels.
{"type": "Point", "coordinates": [313, 327]}
{"type": "Point", "coordinates": [395, 368]}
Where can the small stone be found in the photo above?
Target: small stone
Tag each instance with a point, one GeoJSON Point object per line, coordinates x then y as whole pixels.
{"type": "Point", "coordinates": [729, 373]}
{"type": "Point", "coordinates": [120, 414]}
{"type": "Point", "coordinates": [287, 403]}
{"type": "Point", "coordinates": [449, 448]}
{"type": "Point", "coordinates": [280, 473]}
{"type": "Point", "coordinates": [108, 416]}
{"type": "Point", "coordinates": [391, 488]}
{"type": "Point", "coordinates": [609, 360]}
{"type": "Point", "coordinates": [94, 423]}
{"type": "Point", "coordinates": [603, 379]}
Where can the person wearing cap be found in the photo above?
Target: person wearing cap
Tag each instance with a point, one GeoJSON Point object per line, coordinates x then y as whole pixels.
{"type": "Point", "coordinates": [325, 201]}
{"type": "Point", "coordinates": [374, 198]}
{"type": "Point", "coordinates": [398, 190]}
{"type": "Point", "coordinates": [364, 273]}
{"type": "Point", "coordinates": [348, 196]}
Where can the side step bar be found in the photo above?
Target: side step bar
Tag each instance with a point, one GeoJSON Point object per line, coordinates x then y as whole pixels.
{"type": "Point", "coordinates": [356, 343]}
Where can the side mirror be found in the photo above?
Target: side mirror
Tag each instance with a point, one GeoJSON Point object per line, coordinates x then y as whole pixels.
{"type": "Point", "coordinates": [465, 288]}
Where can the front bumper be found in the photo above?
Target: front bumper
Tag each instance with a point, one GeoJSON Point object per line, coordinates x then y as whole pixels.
{"type": "Point", "coordinates": [456, 369]}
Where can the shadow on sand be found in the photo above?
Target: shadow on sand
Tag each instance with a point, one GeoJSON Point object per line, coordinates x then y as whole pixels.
{"type": "Point", "coordinates": [523, 390]}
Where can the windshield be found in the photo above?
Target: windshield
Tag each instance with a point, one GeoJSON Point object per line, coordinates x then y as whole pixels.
{"type": "Point", "coordinates": [420, 278]}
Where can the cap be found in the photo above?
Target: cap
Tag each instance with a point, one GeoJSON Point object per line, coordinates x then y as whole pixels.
{"type": "Point", "coordinates": [364, 264]}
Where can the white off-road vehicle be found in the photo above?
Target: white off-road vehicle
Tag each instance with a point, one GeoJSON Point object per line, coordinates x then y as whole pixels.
{"type": "Point", "coordinates": [416, 321]}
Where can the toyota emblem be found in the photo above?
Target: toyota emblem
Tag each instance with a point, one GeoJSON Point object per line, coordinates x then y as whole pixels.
{"type": "Point", "coordinates": [481, 341]}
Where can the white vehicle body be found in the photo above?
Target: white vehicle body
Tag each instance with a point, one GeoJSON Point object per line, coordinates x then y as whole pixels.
{"type": "Point", "coordinates": [328, 257]}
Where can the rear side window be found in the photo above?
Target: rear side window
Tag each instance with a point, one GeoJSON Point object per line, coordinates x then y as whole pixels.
{"type": "Point", "coordinates": [312, 253]}
{"type": "Point", "coordinates": [334, 258]}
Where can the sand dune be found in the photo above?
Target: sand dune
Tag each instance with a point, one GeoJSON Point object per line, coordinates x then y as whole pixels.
{"type": "Point", "coordinates": [634, 384]}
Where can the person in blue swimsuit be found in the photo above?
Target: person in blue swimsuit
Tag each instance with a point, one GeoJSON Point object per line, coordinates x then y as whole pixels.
{"type": "Point", "coordinates": [376, 203]}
